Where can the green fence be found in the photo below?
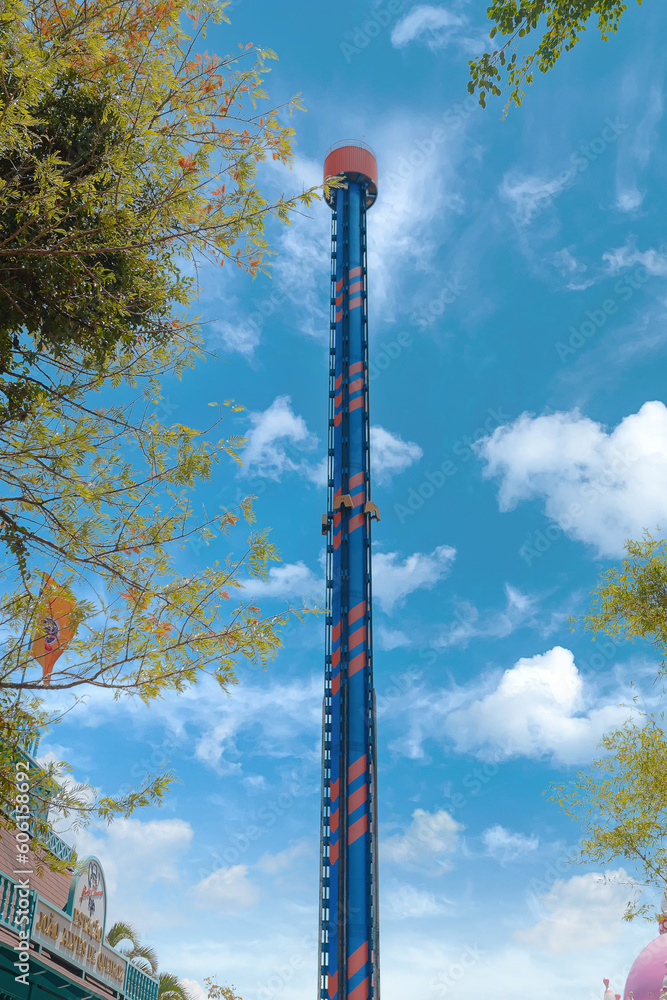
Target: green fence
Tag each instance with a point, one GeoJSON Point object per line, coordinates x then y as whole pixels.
{"type": "Point", "coordinates": [14, 904]}
{"type": "Point", "coordinates": [139, 985]}
{"type": "Point", "coordinates": [58, 847]}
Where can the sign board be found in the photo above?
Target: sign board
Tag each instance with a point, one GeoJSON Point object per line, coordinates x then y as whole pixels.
{"type": "Point", "coordinates": [88, 895]}
{"type": "Point", "coordinates": [76, 933]}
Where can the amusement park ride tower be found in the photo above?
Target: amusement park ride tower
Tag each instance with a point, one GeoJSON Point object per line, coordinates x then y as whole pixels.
{"type": "Point", "coordinates": [349, 958]}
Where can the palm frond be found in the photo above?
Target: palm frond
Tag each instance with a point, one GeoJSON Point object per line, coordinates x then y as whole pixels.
{"type": "Point", "coordinates": [145, 957]}
{"type": "Point", "coordinates": [171, 988]}
{"type": "Point", "coordinates": [122, 931]}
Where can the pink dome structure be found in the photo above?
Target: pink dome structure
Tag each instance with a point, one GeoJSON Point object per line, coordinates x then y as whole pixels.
{"type": "Point", "coordinates": [647, 975]}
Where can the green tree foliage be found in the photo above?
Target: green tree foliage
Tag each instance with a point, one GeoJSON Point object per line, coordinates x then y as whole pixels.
{"type": "Point", "coordinates": [620, 802]}
{"type": "Point", "coordinates": [122, 150]}
{"type": "Point", "coordinates": [104, 495]}
{"type": "Point", "coordinates": [558, 24]}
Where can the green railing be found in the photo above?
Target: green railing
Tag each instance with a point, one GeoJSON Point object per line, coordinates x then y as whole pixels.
{"type": "Point", "coordinates": [138, 984]}
{"type": "Point", "coordinates": [58, 847]}
{"type": "Point", "coordinates": [13, 905]}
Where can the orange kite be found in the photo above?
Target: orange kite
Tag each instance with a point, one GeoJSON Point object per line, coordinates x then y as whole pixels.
{"type": "Point", "coordinates": [55, 631]}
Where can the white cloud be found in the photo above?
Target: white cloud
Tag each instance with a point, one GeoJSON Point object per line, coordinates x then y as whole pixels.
{"type": "Point", "coordinates": [470, 956]}
{"type": "Point", "coordinates": [299, 273]}
{"type": "Point", "coordinates": [289, 580]}
{"type": "Point", "coordinates": [284, 717]}
{"type": "Point", "coordinates": [505, 846]}
{"type": "Point", "coordinates": [278, 714]}
{"type": "Point", "coordinates": [391, 638]}
{"type": "Point", "coordinates": [317, 473]}
{"type": "Point", "coordinates": [302, 266]}
{"type": "Point", "coordinates": [217, 746]}
{"type": "Point", "coordinates": [581, 914]}
{"type": "Point", "coordinates": [622, 258]}
{"type": "Point", "coordinates": [520, 610]}
{"type": "Point", "coordinates": [195, 989]}
{"type": "Point", "coordinates": [241, 337]}
{"type": "Point", "coordinates": [135, 852]}
{"type": "Point", "coordinates": [530, 194]}
{"type": "Point", "coordinates": [573, 269]}
{"type": "Point", "coordinates": [567, 263]}
{"type": "Point", "coordinates": [436, 27]}
{"type": "Point", "coordinates": [540, 707]}
{"type": "Point", "coordinates": [279, 438]}
{"type": "Point", "coordinates": [427, 841]}
{"type": "Point", "coordinates": [395, 579]}
{"type": "Point", "coordinates": [275, 432]}
{"type": "Point", "coordinates": [406, 227]}
{"type": "Point", "coordinates": [629, 199]}
{"type": "Point", "coordinates": [419, 197]}
{"type": "Point", "coordinates": [599, 487]}
{"type": "Point", "coordinates": [405, 902]}
{"type": "Point", "coordinates": [227, 890]}
{"type": "Point", "coordinates": [143, 861]}
{"type": "Point", "coordinates": [390, 454]}
{"type": "Point", "coordinates": [255, 781]}
{"type": "Point", "coordinates": [640, 112]}
{"type": "Point", "coordinates": [275, 864]}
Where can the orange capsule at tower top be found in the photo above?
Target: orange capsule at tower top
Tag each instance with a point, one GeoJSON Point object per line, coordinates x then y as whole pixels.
{"type": "Point", "coordinates": [356, 161]}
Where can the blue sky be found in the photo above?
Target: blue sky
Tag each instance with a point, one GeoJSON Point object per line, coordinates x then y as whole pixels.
{"type": "Point", "coordinates": [517, 310]}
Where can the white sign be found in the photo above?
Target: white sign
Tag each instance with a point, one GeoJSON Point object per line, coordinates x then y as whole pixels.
{"type": "Point", "coordinates": [88, 894]}
{"type": "Point", "coordinates": [77, 933]}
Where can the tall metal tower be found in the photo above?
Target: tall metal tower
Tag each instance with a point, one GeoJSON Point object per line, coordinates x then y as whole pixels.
{"type": "Point", "coordinates": [349, 967]}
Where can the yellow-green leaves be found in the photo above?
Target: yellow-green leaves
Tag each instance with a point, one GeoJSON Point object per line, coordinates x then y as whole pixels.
{"type": "Point", "coordinates": [561, 23]}
{"type": "Point", "coordinates": [104, 492]}
{"type": "Point", "coordinates": [121, 151]}
{"type": "Point", "coordinates": [631, 602]}
{"type": "Point", "coordinates": [620, 802]}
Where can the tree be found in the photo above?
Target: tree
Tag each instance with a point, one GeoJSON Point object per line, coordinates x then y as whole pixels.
{"type": "Point", "coordinates": [121, 151]}
{"type": "Point", "coordinates": [102, 495]}
{"type": "Point", "coordinates": [559, 24]}
{"type": "Point", "coordinates": [216, 992]}
{"type": "Point", "coordinates": [125, 939]}
{"type": "Point", "coordinates": [620, 802]}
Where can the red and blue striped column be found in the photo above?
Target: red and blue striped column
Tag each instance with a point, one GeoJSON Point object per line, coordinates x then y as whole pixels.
{"type": "Point", "coordinates": [349, 960]}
